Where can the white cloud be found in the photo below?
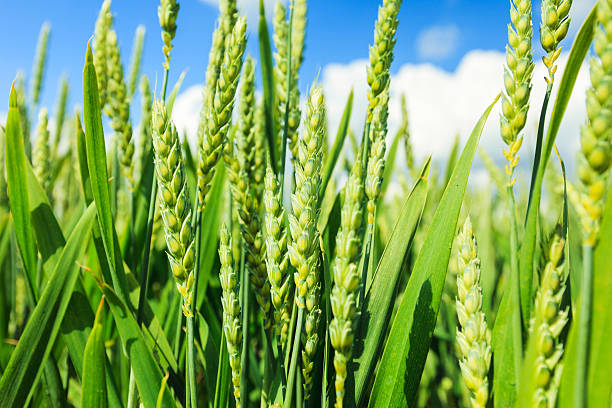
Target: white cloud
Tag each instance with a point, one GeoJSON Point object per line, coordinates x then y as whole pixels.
{"type": "Point", "coordinates": [441, 105]}
{"type": "Point", "coordinates": [437, 42]}
{"type": "Point", "coordinates": [250, 8]}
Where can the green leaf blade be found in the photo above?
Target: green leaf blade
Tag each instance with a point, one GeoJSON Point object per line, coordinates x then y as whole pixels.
{"type": "Point", "coordinates": [406, 349]}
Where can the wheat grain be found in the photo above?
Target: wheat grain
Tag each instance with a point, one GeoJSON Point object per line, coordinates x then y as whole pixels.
{"type": "Point", "coordinates": [473, 338]}
{"type": "Point", "coordinates": [231, 308]}
{"type": "Point", "coordinates": [595, 136]}
{"type": "Point", "coordinates": [175, 207]}
{"type": "Point", "coordinates": [347, 278]}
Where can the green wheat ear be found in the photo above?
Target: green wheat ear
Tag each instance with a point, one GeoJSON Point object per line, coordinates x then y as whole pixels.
{"type": "Point", "coordinates": [231, 308]}
{"type": "Point", "coordinates": [103, 26]}
{"type": "Point", "coordinates": [304, 246]}
{"type": "Point", "coordinates": [596, 134]}
{"type": "Point", "coordinates": [548, 323]}
{"type": "Point", "coordinates": [118, 107]}
{"type": "Point", "coordinates": [473, 337]}
{"type": "Point", "coordinates": [175, 206]}
{"type": "Point", "coordinates": [347, 277]}
{"type": "Point", "coordinates": [277, 261]}
{"type": "Point", "coordinates": [41, 159]}
{"type": "Point", "coordinates": [553, 29]}
{"type": "Point", "coordinates": [167, 12]}
{"type": "Point", "coordinates": [517, 81]}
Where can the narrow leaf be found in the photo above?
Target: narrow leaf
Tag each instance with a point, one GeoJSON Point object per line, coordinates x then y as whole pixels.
{"type": "Point", "coordinates": [93, 392]}
{"type": "Point", "coordinates": [379, 299]}
{"type": "Point", "coordinates": [406, 349]}
{"type": "Point", "coordinates": [40, 333]}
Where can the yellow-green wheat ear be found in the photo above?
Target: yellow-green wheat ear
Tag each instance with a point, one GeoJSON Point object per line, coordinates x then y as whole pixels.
{"type": "Point", "coordinates": [347, 278]}
{"type": "Point", "coordinates": [381, 53]}
{"type": "Point", "coordinates": [276, 253]}
{"type": "Point", "coordinates": [103, 25]}
{"type": "Point", "coordinates": [473, 336]}
{"type": "Point", "coordinates": [549, 321]}
{"type": "Point", "coordinates": [175, 206]}
{"type": "Point", "coordinates": [231, 308]}
{"type": "Point", "coordinates": [118, 105]}
{"type": "Point", "coordinates": [220, 111]}
{"type": "Point", "coordinates": [404, 133]}
{"type": "Point", "coordinates": [167, 12]}
{"type": "Point", "coordinates": [40, 159]}
{"type": "Point", "coordinates": [517, 81]}
{"type": "Point", "coordinates": [40, 61]}
{"type": "Point", "coordinates": [376, 158]}
{"type": "Point", "coordinates": [596, 134]}
{"type": "Point", "coordinates": [553, 29]}
{"type": "Point", "coordinates": [239, 164]}
{"type": "Point", "coordinates": [304, 248]}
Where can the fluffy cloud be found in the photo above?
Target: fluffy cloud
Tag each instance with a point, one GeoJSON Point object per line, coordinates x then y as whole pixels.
{"type": "Point", "coordinates": [441, 104]}
{"type": "Point", "coordinates": [437, 42]}
{"type": "Point", "coordinates": [444, 104]}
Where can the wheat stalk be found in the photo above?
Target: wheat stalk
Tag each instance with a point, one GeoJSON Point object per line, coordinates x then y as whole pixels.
{"type": "Point", "coordinates": [347, 277]}
{"type": "Point", "coordinates": [136, 59]}
{"type": "Point", "coordinates": [60, 114]}
{"type": "Point", "coordinates": [175, 207]}
{"type": "Point", "coordinates": [404, 133]}
{"type": "Point", "coordinates": [231, 308]}
{"type": "Point", "coordinates": [473, 338]}
{"type": "Point", "coordinates": [144, 134]}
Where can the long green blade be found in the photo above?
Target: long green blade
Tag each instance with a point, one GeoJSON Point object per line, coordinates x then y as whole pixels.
{"type": "Point", "coordinates": [379, 299]}
{"type": "Point", "coordinates": [18, 191]}
{"type": "Point", "coordinates": [93, 390]}
{"type": "Point", "coordinates": [39, 334]}
{"type": "Point", "coordinates": [406, 349]}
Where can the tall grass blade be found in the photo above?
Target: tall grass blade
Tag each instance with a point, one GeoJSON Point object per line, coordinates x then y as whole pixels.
{"type": "Point", "coordinates": [93, 392]}
{"type": "Point", "coordinates": [18, 192]}
{"type": "Point", "coordinates": [406, 349]}
{"type": "Point", "coordinates": [379, 299]}
{"type": "Point", "coordinates": [36, 342]}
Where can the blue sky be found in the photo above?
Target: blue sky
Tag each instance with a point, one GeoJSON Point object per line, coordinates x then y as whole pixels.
{"type": "Point", "coordinates": [338, 31]}
{"type": "Point", "coordinates": [448, 60]}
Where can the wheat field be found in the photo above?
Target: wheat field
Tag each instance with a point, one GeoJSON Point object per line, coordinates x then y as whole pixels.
{"type": "Point", "coordinates": [272, 265]}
